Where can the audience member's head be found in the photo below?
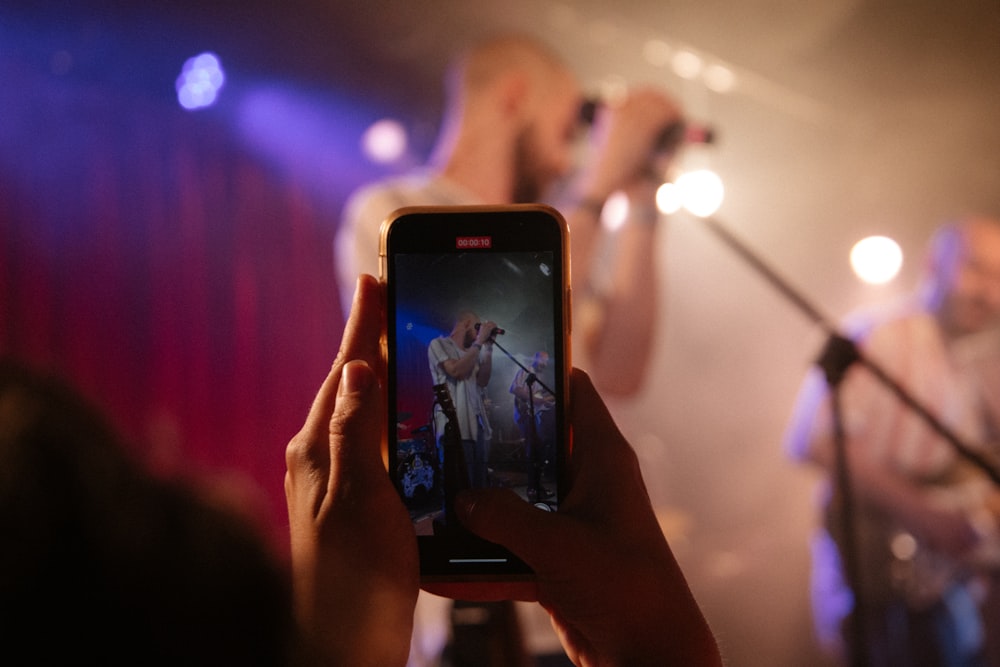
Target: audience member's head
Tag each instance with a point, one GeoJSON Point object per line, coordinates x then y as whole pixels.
{"type": "Point", "coordinates": [101, 563]}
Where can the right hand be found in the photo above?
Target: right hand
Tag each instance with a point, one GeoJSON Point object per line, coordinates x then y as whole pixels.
{"type": "Point", "coordinates": [604, 569]}
{"type": "Point", "coordinates": [485, 334]}
{"type": "Point", "coordinates": [624, 140]}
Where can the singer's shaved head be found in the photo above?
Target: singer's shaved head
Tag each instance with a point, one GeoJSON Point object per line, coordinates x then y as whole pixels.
{"type": "Point", "coordinates": [465, 316]}
{"type": "Point", "coordinates": [464, 329]}
{"type": "Point", "coordinates": [482, 65]}
{"type": "Point", "coordinates": [511, 113]}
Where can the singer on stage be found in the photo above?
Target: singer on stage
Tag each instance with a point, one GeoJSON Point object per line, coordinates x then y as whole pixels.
{"type": "Point", "coordinates": [464, 361]}
{"type": "Point", "coordinates": [509, 136]}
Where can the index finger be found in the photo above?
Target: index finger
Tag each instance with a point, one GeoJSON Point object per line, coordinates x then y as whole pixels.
{"type": "Point", "coordinates": [601, 455]}
{"type": "Point", "coordinates": [590, 416]}
{"type": "Point", "coordinates": [362, 340]}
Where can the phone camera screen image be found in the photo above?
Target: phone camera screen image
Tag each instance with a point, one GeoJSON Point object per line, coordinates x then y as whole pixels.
{"type": "Point", "coordinates": [476, 344]}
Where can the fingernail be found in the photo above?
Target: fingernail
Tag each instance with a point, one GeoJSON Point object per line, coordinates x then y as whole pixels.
{"type": "Point", "coordinates": [356, 376]}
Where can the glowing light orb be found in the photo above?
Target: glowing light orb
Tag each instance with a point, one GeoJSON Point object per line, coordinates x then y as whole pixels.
{"type": "Point", "coordinates": [876, 259]}
{"type": "Point", "coordinates": [615, 211]}
{"type": "Point", "coordinates": [200, 81]}
{"type": "Point", "coordinates": [668, 198]}
{"type": "Point", "coordinates": [701, 192]}
{"type": "Point", "coordinates": [384, 141]}
{"type": "Point", "coordinates": [719, 78]}
{"type": "Point", "coordinates": [686, 64]}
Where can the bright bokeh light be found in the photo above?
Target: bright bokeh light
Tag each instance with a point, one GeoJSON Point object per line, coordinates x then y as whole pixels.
{"type": "Point", "coordinates": [385, 141]}
{"type": "Point", "coordinates": [615, 211]}
{"type": "Point", "coordinates": [876, 259]}
{"type": "Point", "coordinates": [668, 198]}
{"type": "Point", "coordinates": [686, 64]}
{"type": "Point", "coordinates": [701, 192]}
{"type": "Point", "coordinates": [719, 78]}
{"type": "Point", "coordinates": [200, 81]}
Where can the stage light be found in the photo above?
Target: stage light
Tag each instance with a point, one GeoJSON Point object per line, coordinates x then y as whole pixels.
{"type": "Point", "coordinates": [876, 259]}
{"type": "Point", "coordinates": [615, 211]}
{"type": "Point", "coordinates": [200, 80]}
{"type": "Point", "coordinates": [719, 78]}
{"type": "Point", "coordinates": [686, 64]}
{"type": "Point", "coordinates": [701, 192]}
{"type": "Point", "coordinates": [385, 141]}
{"type": "Point", "coordinates": [668, 198]}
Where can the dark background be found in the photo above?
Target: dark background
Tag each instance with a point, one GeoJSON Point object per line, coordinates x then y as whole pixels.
{"type": "Point", "coordinates": [178, 266]}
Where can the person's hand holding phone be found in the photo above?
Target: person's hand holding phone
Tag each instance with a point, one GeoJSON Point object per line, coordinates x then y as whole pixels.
{"type": "Point", "coordinates": [355, 571]}
{"type": "Point", "coordinates": [457, 271]}
{"type": "Point", "coordinates": [604, 569]}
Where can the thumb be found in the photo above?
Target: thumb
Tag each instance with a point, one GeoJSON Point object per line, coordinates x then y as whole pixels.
{"type": "Point", "coordinates": [503, 517]}
{"type": "Point", "coordinates": [356, 425]}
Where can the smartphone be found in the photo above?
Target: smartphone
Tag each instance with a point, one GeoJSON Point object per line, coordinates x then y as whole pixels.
{"type": "Point", "coordinates": [470, 407]}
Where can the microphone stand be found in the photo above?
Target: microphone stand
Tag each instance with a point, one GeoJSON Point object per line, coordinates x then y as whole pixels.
{"type": "Point", "coordinates": [534, 489]}
{"type": "Point", "coordinates": [534, 468]}
{"type": "Point", "coordinates": [838, 355]}
{"type": "Point", "coordinates": [521, 366]}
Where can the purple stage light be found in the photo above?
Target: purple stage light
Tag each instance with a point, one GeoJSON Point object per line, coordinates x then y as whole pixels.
{"type": "Point", "coordinates": [200, 81]}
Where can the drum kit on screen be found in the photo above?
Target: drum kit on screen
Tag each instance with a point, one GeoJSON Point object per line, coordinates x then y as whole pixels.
{"type": "Point", "coordinates": [418, 460]}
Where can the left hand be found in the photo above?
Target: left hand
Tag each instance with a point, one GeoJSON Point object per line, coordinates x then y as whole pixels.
{"type": "Point", "coordinates": [355, 571]}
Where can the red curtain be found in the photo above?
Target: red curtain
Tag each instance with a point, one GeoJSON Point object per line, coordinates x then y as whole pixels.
{"type": "Point", "coordinates": [178, 280]}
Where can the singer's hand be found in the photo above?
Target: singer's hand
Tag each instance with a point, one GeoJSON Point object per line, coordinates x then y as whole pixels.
{"type": "Point", "coordinates": [486, 333]}
{"type": "Point", "coordinates": [624, 139]}
{"type": "Point", "coordinates": [620, 597]}
{"type": "Point", "coordinates": [615, 322]}
{"type": "Point", "coordinates": [354, 553]}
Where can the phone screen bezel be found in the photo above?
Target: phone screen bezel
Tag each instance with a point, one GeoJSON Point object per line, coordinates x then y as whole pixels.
{"type": "Point", "coordinates": [432, 231]}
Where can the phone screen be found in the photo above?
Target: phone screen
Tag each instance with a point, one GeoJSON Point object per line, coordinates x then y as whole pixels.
{"type": "Point", "coordinates": [467, 409]}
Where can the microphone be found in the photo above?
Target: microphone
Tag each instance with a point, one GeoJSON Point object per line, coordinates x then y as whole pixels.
{"type": "Point", "coordinates": [671, 136]}
{"type": "Point", "coordinates": [497, 331]}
